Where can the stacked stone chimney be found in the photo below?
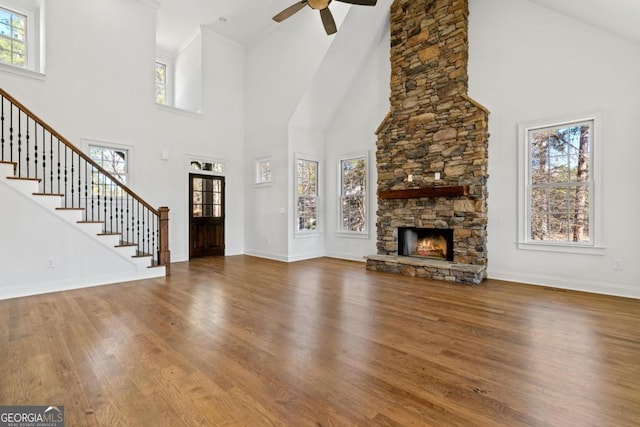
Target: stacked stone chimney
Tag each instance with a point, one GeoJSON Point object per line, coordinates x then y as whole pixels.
{"type": "Point", "coordinates": [433, 128]}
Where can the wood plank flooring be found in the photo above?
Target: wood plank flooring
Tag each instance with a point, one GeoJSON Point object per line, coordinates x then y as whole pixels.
{"type": "Point", "coordinates": [246, 341]}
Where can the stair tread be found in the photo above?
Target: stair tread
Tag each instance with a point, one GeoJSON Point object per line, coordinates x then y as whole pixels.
{"type": "Point", "coordinates": [90, 222]}
{"type": "Point", "coordinates": [48, 194]}
{"type": "Point", "coordinates": [109, 234]}
{"type": "Point", "coordinates": [20, 178]}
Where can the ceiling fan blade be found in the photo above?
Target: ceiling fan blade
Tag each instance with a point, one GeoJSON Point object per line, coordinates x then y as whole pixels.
{"type": "Point", "coordinates": [360, 2]}
{"type": "Point", "coordinates": [290, 11]}
{"type": "Point", "coordinates": [328, 21]}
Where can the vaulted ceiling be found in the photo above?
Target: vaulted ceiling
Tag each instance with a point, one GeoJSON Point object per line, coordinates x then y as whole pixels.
{"type": "Point", "coordinates": [244, 21]}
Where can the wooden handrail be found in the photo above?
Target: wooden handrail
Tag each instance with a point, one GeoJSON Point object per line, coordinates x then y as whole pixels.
{"type": "Point", "coordinates": [77, 150]}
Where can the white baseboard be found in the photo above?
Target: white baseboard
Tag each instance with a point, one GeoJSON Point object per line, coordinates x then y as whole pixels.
{"type": "Point", "coordinates": [596, 287]}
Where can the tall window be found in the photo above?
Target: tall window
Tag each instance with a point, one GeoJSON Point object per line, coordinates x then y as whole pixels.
{"type": "Point", "coordinates": [161, 83]}
{"type": "Point", "coordinates": [353, 201]}
{"type": "Point", "coordinates": [306, 195]}
{"type": "Point", "coordinates": [559, 194]}
{"type": "Point", "coordinates": [13, 48]}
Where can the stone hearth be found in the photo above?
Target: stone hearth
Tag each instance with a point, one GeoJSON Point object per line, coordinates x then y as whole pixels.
{"type": "Point", "coordinates": [435, 137]}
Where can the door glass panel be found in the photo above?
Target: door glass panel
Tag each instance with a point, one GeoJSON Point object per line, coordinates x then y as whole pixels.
{"type": "Point", "coordinates": [197, 210]}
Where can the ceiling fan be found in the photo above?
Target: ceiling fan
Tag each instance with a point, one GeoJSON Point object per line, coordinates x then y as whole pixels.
{"type": "Point", "coordinates": [323, 6]}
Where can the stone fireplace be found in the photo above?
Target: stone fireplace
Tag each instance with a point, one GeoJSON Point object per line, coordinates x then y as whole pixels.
{"type": "Point", "coordinates": [432, 146]}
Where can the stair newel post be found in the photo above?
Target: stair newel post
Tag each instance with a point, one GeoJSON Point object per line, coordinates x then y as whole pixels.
{"type": "Point", "coordinates": [164, 255]}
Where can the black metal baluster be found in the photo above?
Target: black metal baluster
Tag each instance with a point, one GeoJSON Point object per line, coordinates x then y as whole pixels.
{"type": "Point", "coordinates": [2, 124]}
{"type": "Point", "coordinates": [104, 200]}
{"type": "Point", "coordinates": [66, 178]}
{"type": "Point", "coordinates": [128, 219]}
{"type": "Point", "coordinates": [80, 184]}
{"type": "Point", "coordinates": [11, 133]}
{"type": "Point", "coordinates": [149, 250]}
{"type": "Point", "coordinates": [19, 143]}
{"type": "Point", "coordinates": [111, 183]}
{"type": "Point", "coordinates": [86, 191]}
{"type": "Point", "coordinates": [93, 191]}
{"type": "Point", "coordinates": [72, 181]}
{"type": "Point", "coordinates": [51, 162]}
{"type": "Point", "coordinates": [59, 191]}
{"type": "Point", "coordinates": [121, 230]}
{"type": "Point", "coordinates": [44, 162]}
{"type": "Point", "coordinates": [138, 225]}
{"type": "Point", "coordinates": [35, 147]}
{"type": "Point", "coordinates": [27, 136]}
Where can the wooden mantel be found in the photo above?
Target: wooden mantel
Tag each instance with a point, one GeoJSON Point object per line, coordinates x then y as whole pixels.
{"type": "Point", "coordinates": [415, 193]}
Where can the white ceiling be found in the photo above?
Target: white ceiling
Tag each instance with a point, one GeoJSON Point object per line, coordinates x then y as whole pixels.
{"type": "Point", "coordinates": [247, 20]}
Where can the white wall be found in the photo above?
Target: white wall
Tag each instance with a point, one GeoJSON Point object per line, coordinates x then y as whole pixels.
{"type": "Point", "coordinates": [188, 74]}
{"type": "Point", "coordinates": [352, 131]}
{"type": "Point", "coordinates": [32, 235]}
{"type": "Point", "coordinates": [99, 84]}
{"type": "Point", "coordinates": [529, 63]}
{"type": "Point", "coordinates": [280, 67]}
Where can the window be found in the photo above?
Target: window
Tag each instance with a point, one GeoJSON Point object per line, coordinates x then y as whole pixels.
{"type": "Point", "coordinates": [306, 195]}
{"type": "Point", "coordinates": [353, 200]}
{"type": "Point", "coordinates": [13, 49]}
{"type": "Point", "coordinates": [559, 199]}
{"type": "Point", "coordinates": [210, 167]}
{"type": "Point", "coordinates": [113, 160]}
{"type": "Point", "coordinates": [21, 47]}
{"type": "Point", "coordinates": [263, 171]}
{"type": "Point", "coordinates": [161, 83]}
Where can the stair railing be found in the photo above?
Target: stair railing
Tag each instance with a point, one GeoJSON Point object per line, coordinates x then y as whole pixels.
{"type": "Point", "coordinates": [40, 152]}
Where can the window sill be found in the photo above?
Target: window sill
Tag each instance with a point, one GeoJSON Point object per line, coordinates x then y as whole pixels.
{"type": "Point", "coordinates": [22, 72]}
{"type": "Point", "coordinates": [306, 235]}
{"type": "Point", "coordinates": [562, 248]}
{"type": "Point", "coordinates": [180, 111]}
{"type": "Point", "coordinates": [352, 235]}
{"type": "Point", "coordinates": [263, 184]}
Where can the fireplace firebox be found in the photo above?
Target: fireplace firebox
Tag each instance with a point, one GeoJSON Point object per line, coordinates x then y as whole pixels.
{"type": "Point", "coordinates": [436, 243]}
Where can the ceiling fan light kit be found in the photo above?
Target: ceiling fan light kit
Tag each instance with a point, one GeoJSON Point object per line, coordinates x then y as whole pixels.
{"type": "Point", "coordinates": [323, 6]}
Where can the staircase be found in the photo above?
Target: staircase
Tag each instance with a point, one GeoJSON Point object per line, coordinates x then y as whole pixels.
{"type": "Point", "coordinates": [42, 166]}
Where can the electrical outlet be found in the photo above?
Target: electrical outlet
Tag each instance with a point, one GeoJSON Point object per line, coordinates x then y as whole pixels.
{"type": "Point", "coordinates": [410, 178]}
{"type": "Point", "coordinates": [437, 176]}
{"type": "Point", "coordinates": [50, 263]}
{"type": "Point", "coordinates": [617, 264]}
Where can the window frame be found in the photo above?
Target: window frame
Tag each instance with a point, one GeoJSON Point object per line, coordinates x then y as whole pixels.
{"type": "Point", "coordinates": [108, 145]}
{"type": "Point", "coordinates": [594, 245]}
{"type": "Point", "coordinates": [163, 84]}
{"type": "Point", "coordinates": [34, 38]}
{"type": "Point", "coordinates": [306, 232]}
{"type": "Point", "coordinates": [340, 192]}
{"type": "Point", "coordinates": [258, 180]}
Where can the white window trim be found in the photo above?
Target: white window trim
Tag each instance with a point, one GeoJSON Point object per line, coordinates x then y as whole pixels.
{"type": "Point", "coordinates": [256, 172]}
{"type": "Point", "coordinates": [89, 142]}
{"type": "Point", "coordinates": [594, 247]}
{"type": "Point", "coordinates": [35, 33]}
{"type": "Point", "coordinates": [340, 232]}
{"type": "Point", "coordinates": [307, 233]}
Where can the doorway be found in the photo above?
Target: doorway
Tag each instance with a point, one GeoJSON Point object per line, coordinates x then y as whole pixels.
{"type": "Point", "coordinates": [206, 217]}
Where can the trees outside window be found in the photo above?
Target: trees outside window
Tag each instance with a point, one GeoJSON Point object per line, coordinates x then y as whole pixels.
{"type": "Point", "coordinates": [161, 83]}
{"type": "Point", "coordinates": [306, 195]}
{"type": "Point", "coordinates": [353, 200]}
{"type": "Point", "coordinates": [13, 47]}
{"type": "Point", "coordinates": [560, 199]}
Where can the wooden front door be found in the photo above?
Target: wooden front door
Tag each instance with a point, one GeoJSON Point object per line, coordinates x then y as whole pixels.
{"type": "Point", "coordinates": [206, 218]}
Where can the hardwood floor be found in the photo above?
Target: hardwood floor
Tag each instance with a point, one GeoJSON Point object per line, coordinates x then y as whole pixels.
{"type": "Point", "coordinates": [246, 341]}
